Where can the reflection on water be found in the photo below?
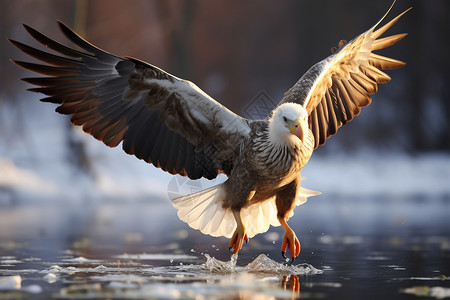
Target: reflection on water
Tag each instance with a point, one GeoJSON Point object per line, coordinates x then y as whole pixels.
{"type": "Point", "coordinates": [351, 248]}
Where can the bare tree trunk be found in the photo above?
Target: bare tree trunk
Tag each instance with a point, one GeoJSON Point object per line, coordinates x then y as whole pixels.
{"type": "Point", "coordinates": [416, 90]}
{"type": "Point", "coordinates": [177, 34]}
{"type": "Point", "coordinates": [428, 77]}
{"type": "Point", "coordinates": [443, 68]}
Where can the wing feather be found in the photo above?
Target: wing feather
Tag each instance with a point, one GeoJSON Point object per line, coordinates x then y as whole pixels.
{"type": "Point", "coordinates": [334, 90]}
{"type": "Point", "coordinates": [332, 120]}
{"type": "Point", "coordinates": [384, 63]}
{"type": "Point", "coordinates": [46, 57]}
{"type": "Point", "coordinates": [387, 41]}
{"type": "Point", "coordinates": [314, 123]}
{"type": "Point", "coordinates": [160, 118]}
{"type": "Point", "coordinates": [321, 117]}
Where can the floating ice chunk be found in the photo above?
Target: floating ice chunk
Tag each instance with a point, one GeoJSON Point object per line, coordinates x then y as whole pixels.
{"type": "Point", "coordinates": [53, 269]}
{"type": "Point", "coordinates": [440, 292]}
{"type": "Point", "coordinates": [438, 278]}
{"type": "Point", "coordinates": [156, 256]}
{"type": "Point", "coordinates": [73, 270]}
{"type": "Point", "coordinates": [437, 292]}
{"type": "Point", "coordinates": [7, 257]}
{"type": "Point", "coordinates": [32, 259]}
{"type": "Point", "coordinates": [50, 278]}
{"type": "Point", "coordinates": [10, 282]}
{"type": "Point", "coordinates": [81, 260]}
{"type": "Point", "coordinates": [10, 262]}
{"type": "Point", "coordinates": [13, 283]}
{"type": "Point", "coordinates": [101, 269]}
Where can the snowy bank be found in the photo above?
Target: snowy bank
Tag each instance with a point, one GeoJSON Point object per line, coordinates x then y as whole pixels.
{"type": "Point", "coordinates": [34, 166]}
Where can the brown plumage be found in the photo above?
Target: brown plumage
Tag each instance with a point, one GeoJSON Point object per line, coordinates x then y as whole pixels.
{"type": "Point", "coordinates": [174, 125]}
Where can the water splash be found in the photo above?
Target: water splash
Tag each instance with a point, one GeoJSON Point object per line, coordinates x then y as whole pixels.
{"type": "Point", "coordinates": [220, 267]}
{"type": "Point", "coordinates": [261, 264]}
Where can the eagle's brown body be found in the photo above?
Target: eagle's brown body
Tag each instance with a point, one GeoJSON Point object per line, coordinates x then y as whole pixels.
{"type": "Point", "coordinates": [265, 170]}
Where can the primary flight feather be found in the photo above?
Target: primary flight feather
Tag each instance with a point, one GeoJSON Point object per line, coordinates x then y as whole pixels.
{"type": "Point", "coordinates": [173, 124]}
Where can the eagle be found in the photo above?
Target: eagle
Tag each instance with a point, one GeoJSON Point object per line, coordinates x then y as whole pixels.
{"type": "Point", "coordinates": [173, 124]}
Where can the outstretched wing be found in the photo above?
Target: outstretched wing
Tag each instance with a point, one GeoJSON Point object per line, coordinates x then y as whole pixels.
{"type": "Point", "coordinates": [334, 90]}
{"type": "Point", "coordinates": [158, 117]}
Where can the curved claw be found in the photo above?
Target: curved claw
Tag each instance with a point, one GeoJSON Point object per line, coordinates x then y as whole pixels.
{"type": "Point", "coordinates": [291, 242]}
{"type": "Point", "coordinates": [238, 238]}
{"type": "Point", "coordinates": [292, 261]}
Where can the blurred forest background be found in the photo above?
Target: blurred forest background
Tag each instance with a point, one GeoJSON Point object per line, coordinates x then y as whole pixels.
{"type": "Point", "coordinates": [238, 51]}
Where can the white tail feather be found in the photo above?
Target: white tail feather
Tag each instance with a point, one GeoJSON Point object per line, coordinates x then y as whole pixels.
{"type": "Point", "coordinates": [204, 211]}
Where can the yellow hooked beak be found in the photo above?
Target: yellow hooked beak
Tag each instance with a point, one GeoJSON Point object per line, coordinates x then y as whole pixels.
{"type": "Point", "coordinates": [295, 128]}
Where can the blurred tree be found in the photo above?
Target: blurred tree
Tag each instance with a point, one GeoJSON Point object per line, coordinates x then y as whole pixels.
{"type": "Point", "coordinates": [427, 92]}
{"type": "Point", "coordinates": [76, 150]}
{"type": "Point", "coordinates": [176, 19]}
{"type": "Point", "coordinates": [12, 91]}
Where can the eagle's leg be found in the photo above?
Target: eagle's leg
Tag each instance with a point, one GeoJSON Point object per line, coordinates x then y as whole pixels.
{"type": "Point", "coordinates": [239, 235]}
{"type": "Point", "coordinates": [290, 240]}
{"type": "Point", "coordinates": [285, 202]}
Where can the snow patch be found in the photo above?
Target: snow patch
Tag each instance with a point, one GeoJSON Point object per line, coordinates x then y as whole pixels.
{"type": "Point", "coordinates": [373, 174]}
{"type": "Point", "coordinates": [35, 165]}
{"type": "Point", "coordinates": [13, 177]}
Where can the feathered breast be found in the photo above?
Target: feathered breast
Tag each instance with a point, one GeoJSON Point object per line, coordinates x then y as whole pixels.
{"type": "Point", "coordinates": [276, 158]}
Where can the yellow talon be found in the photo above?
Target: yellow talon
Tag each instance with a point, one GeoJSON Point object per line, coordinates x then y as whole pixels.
{"type": "Point", "coordinates": [239, 235]}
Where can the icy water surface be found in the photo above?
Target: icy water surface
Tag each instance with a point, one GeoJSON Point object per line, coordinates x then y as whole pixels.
{"type": "Point", "coordinates": [373, 248]}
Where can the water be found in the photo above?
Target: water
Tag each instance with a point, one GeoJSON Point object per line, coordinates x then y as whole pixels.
{"type": "Point", "coordinates": [375, 248]}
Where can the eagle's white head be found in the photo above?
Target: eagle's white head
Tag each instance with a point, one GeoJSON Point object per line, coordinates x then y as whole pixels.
{"type": "Point", "coordinates": [288, 123]}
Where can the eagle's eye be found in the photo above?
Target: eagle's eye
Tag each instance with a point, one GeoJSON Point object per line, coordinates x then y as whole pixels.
{"type": "Point", "coordinates": [284, 119]}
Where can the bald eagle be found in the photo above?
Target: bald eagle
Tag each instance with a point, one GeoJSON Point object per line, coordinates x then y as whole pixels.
{"type": "Point", "coordinates": [173, 124]}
